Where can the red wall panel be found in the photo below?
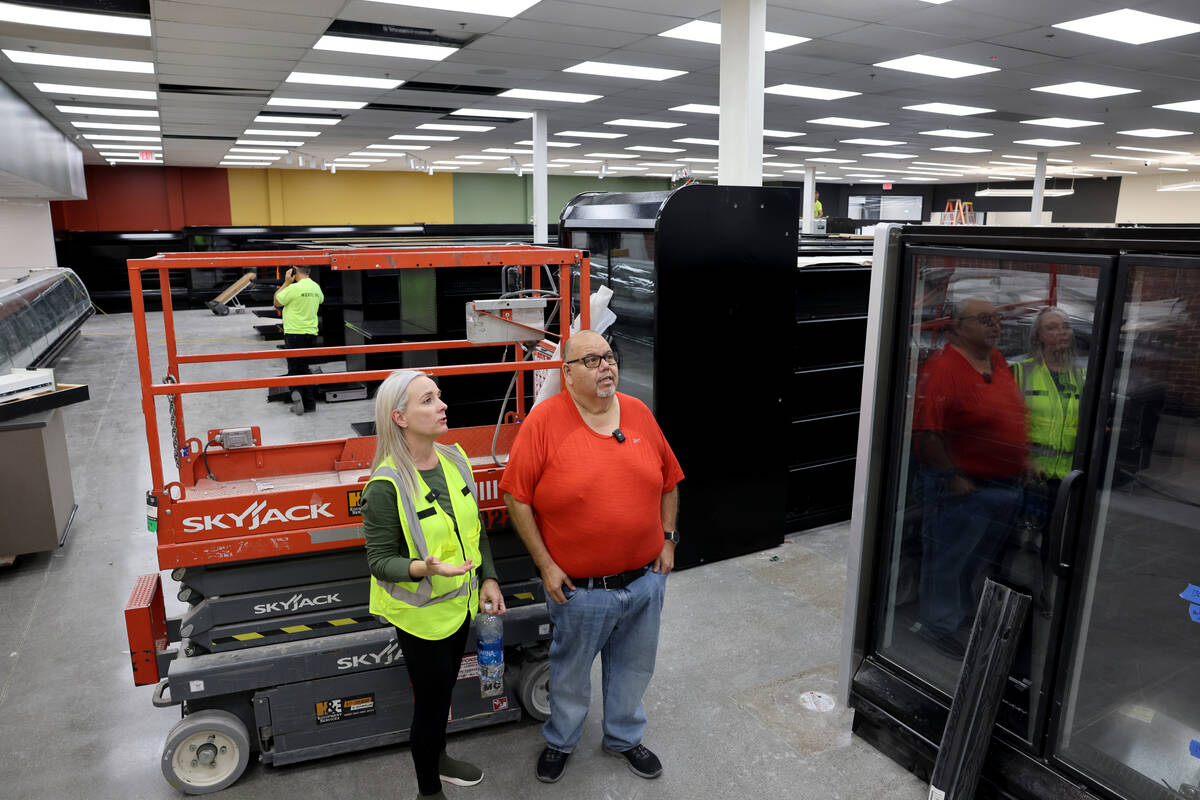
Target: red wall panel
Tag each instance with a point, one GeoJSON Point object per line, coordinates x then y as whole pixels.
{"type": "Point", "coordinates": [146, 198]}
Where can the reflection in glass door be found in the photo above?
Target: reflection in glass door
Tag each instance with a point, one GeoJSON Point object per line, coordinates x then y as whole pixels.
{"type": "Point", "coordinates": [1131, 713]}
{"type": "Point", "coordinates": [996, 368]}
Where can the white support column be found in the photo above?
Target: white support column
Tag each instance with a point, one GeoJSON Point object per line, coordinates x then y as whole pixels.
{"type": "Point", "coordinates": [1039, 189]}
{"type": "Point", "coordinates": [810, 197]}
{"type": "Point", "coordinates": [540, 187]}
{"type": "Point", "coordinates": [743, 67]}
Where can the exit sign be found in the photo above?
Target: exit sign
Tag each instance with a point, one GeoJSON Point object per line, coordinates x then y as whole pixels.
{"type": "Point", "coordinates": [887, 186]}
{"type": "Point", "coordinates": [146, 155]}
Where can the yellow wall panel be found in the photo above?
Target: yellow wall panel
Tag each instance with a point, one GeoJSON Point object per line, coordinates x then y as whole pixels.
{"type": "Point", "coordinates": [316, 197]}
{"type": "Point", "coordinates": [248, 199]}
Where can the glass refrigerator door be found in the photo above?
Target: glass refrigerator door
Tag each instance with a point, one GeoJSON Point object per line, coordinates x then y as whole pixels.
{"type": "Point", "coordinates": [1131, 697]}
{"type": "Point", "coordinates": [993, 385]}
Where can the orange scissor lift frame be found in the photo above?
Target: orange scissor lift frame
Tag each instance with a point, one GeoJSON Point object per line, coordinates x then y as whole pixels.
{"type": "Point", "coordinates": [293, 499]}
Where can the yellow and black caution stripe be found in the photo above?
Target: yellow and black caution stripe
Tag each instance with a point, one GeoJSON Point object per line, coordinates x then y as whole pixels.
{"type": "Point", "coordinates": [273, 633]}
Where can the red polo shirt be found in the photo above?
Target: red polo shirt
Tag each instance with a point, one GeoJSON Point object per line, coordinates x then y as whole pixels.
{"type": "Point", "coordinates": [597, 501]}
{"type": "Point", "coordinates": [983, 424]}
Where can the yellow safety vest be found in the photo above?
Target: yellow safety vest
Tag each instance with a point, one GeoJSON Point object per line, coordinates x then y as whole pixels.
{"type": "Point", "coordinates": [434, 606]}
{"type": "Point", "coordinates": [1053, 415]}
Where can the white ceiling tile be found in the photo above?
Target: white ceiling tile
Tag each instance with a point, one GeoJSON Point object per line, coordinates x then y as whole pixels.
{"type": "Point", "coordinates": [204, 16]}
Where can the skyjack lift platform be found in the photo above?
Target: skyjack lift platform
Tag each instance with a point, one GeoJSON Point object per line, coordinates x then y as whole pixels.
{"type": "Point", "coordinates": [278, 654]}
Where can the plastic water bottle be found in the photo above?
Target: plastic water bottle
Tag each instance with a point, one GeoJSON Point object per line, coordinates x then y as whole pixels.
{"type": "Point", "coordinates": [490, 650]}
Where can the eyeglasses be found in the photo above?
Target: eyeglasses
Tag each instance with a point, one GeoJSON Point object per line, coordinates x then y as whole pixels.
{"type": "Point", "coordinates": [591, 360]}
{"type": "Point", "coordinates": [992, 318]}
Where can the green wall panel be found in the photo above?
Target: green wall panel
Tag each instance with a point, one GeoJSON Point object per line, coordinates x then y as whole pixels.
{"type": "Point", "coordinates": [507, 198]}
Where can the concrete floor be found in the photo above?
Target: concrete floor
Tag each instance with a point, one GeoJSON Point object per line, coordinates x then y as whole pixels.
{"type": "Point", "coordinates": [742, 639]}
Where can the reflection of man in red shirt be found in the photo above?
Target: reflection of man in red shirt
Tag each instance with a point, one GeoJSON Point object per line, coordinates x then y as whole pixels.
{"type": "Point", "coordinates": [971, 438]}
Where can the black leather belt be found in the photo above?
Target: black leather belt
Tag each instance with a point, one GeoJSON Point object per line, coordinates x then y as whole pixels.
{"type": "Point", "coordinates": [610, 582]}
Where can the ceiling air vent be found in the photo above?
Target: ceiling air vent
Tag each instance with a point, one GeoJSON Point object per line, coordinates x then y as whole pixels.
{"type": "Point", "coordinates": [200, 138]}
{"type": "Point", "coordinates": [224, 91]}
{"type": "Point", "coordinates": [397, 33]}
{"type": "Point", "coordinates": [449, 88]}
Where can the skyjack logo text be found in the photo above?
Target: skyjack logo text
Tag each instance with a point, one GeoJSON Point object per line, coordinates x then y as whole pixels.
{"type": "Point", "coordinates": [297, 602]}
{"type": "Point", "coordinates": [381, 659]}
{"type": "Point", "coordinates": [255, 516]}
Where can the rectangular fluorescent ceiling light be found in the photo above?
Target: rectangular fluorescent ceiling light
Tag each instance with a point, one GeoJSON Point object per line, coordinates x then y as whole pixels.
{"type": "Point", "coordinates": [556, 97]}
{"type": "Point", "coordinates": [624, 71]}
{"type": "Point", "coordinates": [492, 158]}
{"type": "Point", "coordinates": [492, 112]}
{"type": "Point", "coordinates": [648, 149]}
{"type": "Point", "coordinates": [97, 111]}
{"type": "Point", "coordinates": [939, 67]}
{"type": "Point", "coordinates": [398, 147]}
{"type": "Point", "coordinates": [510, 150]}
{"type": "Point", "coordinates": [95, 91]}
{"type": "Point", "coordinates": [862, 175]}
{"type": "Point", "coordinates": [1163, 169]}
{"type": "Point", "coordinates": [378, 154]}
{"type": "Point", "coordinates": [671, 164]}
{"type": "Point", "coordinates": [1155, 133]}
{"type": "Point", "coordinates": [782, 134]}
{"type": "Point", "coordinates": [108, 146]}
{"type": "Point", "coordinates": [1022, 192]}
{"type": "Point", "coordinates": [592, 134]}
{"type": "Point", "coordinates": [462, 163]}
{"type": "Point", "coordinates": [713, 142]}
{"type": "Point", "coordinates": [335, 165]}
{"type": "Point", "coordinates": [809, 92]}
{"type": "Point", "coordinates": [73, 21]}
{"type": "Point", "coordinates": [642, 123]}
{"type": "Point", "coordinates": [700, 160]}
{"type": "Point", "coordinates": [322, 79]}
{"type": "Point", "coordinates": [117, 137]}
{"type": "Point", "coordinates": [710, 33]}
{"type": "Point", "coordinates": [287, 120]}
{"type": "Point", "coordinates": [494, 8]}
{"type": "Point", "coordinates": [1129, 26]}
{"type": "Point", "coordinates": [578, 160]}
{"type": "Point", "coordinates": [801, 148]}
{"type": "Point", "coordinates": [1060, 122]}
{"type": "Point", "coordinates": [79, 62]}
{"type": "Point", "coordinates": [245, 163]}
{"type": "Point", "coordinates": [297, 102]}
{"type": "Point", "coordinates": [940, 164]}
{"type": "Point", "coordinates": [1045, 142]}
{"type": "Point", "coordinates": [846, 122]}
{"type": "Point", "coordinates": [1190, 186]}
{"type": "Point", "coordinates": [953, 133]}
{"type": "Point", "coordinates": [1187, 105]}
{"type": "Point", "coordinates": [114, 126]}
{"type": "Point", "coordinates": [1113, 171]}
{"type": "Point", "coordinates": [529, 143]}
{"type": "Point", "coordinates": [439, 126]}
{"type": "Point", "coordinates": [949, 108]}
{"type": "Point", "coordinates": [421, 138]}
{"type": "Point", "coordinates": [956, 149]}
{"type": "Point", "coordinates": [832, 160]}
{"type": "Point", "coordinates": [269, 132]}
{"type": "Point", "coordinates": [872, 142]}
{"type": "Point", "coordinates": [256, 150]}
{"type": "Point", "coordinates": [1090, 91]}
{"type": "Point", "coordinates": [1150, 150]}
{"type": "Point", "coordinates": [379, 47]}
{"type": "Point", "coordinates": [609, 155]}
{"type": "Point", "coordinates": [888, 155]}
{"type": "Point", "coordinates": [1122, 158]}
{"type": "Point", "coordinates": [778, 164]}
{"type": "Point", "coordinates": [118, 156]}
{"type": "Point", "coordinates": [243, 157]}
{"type": "Point", "coordinates": [696, 108]}
{"type": "Point", "coordinates": [281, 142]}
{"type": "Point", "coordinates": [340, 161]}
{"type": "Point", "coordinates": [1034, 158]}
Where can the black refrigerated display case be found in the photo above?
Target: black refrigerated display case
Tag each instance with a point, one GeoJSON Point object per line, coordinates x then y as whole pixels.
{"type": "Point", "coordinates": [701, 280]}
{"type": "Point", "coordinates": [1096, 521]}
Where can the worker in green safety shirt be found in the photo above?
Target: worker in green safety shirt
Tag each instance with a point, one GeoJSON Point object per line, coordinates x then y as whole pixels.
{"type": "Point", "coordinates": [1052, 385]}
{"type": "Point", "coordinates": [818, 211]}
{"type": "Point", "coordinates": [299, 298]}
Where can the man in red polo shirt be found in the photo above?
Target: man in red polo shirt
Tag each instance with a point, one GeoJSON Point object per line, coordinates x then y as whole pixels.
{"type": "Point", "coordinates": [972, 441]}
{"type": "Point", "coordinates": [591, 489]}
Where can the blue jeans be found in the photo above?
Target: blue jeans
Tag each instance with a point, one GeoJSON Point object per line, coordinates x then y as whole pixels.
{"type": "Point", "coordinates": [962, 537]}
{"type": "Point", "coordinates": [622, 626]}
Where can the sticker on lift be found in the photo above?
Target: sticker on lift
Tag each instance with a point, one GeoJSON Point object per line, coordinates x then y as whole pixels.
{"type": "Point", "coordinates": [936, 794]}
{"type": "Point", "coordinates": [342, 708]}
{"type": "Point", "coordinates": [469, 668]}
{"type": "Point", "coordinates": [354, 503]}
{"type": "Point", "coordinates": [501, 704]}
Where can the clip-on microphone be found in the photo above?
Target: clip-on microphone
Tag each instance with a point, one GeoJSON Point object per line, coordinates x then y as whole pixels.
{"type": "Point", "coordinates": [620, 437]}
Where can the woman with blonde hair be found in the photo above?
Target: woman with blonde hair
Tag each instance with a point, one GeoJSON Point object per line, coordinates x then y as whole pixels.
{"type": "Point", "coordinates": [431, 566]}
{"type": "Point", "coordinates": [1052, 385]}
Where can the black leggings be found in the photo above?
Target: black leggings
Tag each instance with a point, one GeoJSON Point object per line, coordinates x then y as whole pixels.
{"type": "Point", "coordinates": [433, 671]}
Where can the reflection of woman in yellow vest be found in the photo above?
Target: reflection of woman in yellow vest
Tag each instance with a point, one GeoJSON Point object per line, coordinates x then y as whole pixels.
{"type": "Point", "coordinates": [1052, 385]}
{"type": "Point", "coordinates": [431, 566]}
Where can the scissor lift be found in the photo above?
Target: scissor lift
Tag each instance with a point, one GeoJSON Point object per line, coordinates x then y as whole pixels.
{"type": "Point", "coordinates": [277, 653]}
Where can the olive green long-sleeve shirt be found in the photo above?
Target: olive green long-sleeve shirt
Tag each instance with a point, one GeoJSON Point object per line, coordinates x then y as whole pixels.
{"type": "Point", "coordinates": [387, 551]}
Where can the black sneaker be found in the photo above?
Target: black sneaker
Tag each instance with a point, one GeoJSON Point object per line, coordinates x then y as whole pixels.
{"type": "Point", "coordinates": [551, 764]}
{"type": "Point", "coordinates": [642, 762]}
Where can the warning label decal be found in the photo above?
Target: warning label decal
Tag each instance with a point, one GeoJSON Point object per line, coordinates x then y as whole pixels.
{"type": "Point", "coordinates": [342, 708]}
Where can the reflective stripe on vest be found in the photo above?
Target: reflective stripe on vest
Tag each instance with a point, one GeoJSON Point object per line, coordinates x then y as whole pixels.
{"type": "Point", "coordinates": [1053, 425]}
{"type": "Point", "coordinates": [423, 597]}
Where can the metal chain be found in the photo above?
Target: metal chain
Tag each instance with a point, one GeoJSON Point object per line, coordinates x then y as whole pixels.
{"type": "Point", "coordinates": [174, 429]}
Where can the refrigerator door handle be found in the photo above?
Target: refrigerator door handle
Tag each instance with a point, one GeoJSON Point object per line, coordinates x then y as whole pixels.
{"type": "Point", "coordinates": [1058, 522]}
